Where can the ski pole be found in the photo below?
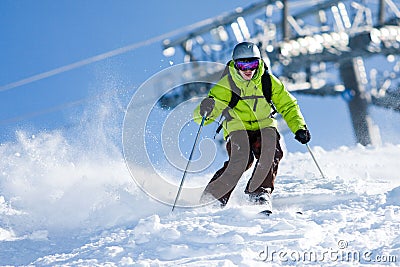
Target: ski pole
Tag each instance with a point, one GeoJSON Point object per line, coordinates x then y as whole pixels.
{"type": "Point", "coordinates": [189, 160]}
{"type": "Point", "coordinates": [316, 163]}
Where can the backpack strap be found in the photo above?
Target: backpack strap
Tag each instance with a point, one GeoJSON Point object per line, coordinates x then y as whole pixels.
{"type": "Point", "coordinates": [267, 89]}
{"type": "Point", "coordinates": [234, 98]}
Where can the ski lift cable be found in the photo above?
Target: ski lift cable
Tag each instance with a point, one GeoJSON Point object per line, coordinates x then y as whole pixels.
{"type": "Point", "coordinates": [105, 55]}
{"type": "Point", "coordinates": [102, 56]}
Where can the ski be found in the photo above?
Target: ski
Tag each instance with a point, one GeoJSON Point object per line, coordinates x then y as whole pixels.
{"type": "Point", "coordinates": [268, 212]}
{"type": "Point", "coordinates": [265, 212]}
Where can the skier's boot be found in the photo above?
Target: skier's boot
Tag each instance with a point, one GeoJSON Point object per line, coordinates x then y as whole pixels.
{"type": "Point", "coordinates": [263, 199]}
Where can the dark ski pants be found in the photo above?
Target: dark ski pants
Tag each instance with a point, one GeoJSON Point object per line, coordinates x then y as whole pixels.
{"type": "Point", "coordinates": [242, 147]}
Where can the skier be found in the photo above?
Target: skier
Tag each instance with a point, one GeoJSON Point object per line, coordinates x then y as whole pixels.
{"type": "Point", "coordinates": [249, 127]}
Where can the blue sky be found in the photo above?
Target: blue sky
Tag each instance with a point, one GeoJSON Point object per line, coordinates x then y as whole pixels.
{"type": "Point", "coordinates": [39, 36]}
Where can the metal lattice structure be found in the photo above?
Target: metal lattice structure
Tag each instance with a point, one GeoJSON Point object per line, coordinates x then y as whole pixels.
{"type": "Point", "coordinates": [316, 49]}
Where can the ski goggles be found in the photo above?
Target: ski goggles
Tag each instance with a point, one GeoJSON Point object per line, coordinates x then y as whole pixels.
{"type": "Point", "coordinates": [246, 64]}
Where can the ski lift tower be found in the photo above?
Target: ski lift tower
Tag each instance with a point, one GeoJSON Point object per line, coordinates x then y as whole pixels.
{"type": "Point", "coordinates": [321, 49]}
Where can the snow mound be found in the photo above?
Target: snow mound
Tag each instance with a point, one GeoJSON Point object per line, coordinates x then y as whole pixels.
{"type": "Point", "coordinates": [61, 204]}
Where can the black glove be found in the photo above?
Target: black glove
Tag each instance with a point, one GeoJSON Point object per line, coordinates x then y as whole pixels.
{"type": "Point", "coordinates": [303, 136]}
{"type": "Point", "coordinates": [207, 106]}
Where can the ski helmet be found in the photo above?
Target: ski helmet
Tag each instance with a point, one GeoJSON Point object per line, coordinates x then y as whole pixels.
{"type": "Point", "coordinates": [245, 50]}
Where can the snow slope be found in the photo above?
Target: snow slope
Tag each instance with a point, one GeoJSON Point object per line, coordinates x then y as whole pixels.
{"type": "Point", "coordinates": [69, 204]}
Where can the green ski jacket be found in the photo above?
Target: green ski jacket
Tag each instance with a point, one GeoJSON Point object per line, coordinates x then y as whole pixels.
{"type": "Point", "coordinates": [252, 112]}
